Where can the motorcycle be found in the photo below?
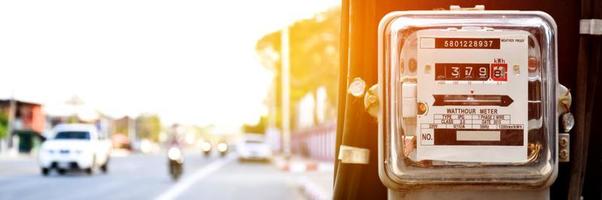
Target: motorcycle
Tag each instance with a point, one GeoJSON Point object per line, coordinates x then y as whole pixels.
{"type": "Point", "coordinates": [222, 148]}
{"type": "Point", "coordinates": [206, 148]}
{"type": "Point", "coordinates": [175, 162]}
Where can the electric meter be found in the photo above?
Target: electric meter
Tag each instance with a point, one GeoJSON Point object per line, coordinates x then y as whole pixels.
{"type": "Point", "coordinates": [467, 97]}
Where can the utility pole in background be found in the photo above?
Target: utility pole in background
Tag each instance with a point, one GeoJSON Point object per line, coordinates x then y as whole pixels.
{"type": "Point", "coordinates": [12, 109]}
{"type": "Point", "coordinates": [285, 73]}
{"type": "Point", "coordinates": [132, 132]}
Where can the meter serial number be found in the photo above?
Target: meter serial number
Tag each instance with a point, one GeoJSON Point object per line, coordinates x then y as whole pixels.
{"type": "Point", "coordinates": [467, 43]}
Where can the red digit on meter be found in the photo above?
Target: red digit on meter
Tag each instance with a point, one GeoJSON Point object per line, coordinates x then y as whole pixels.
{"type": "Point", "coordinates": [499, 71]}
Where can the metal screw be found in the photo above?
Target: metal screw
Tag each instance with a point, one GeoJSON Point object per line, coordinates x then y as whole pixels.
{"type": "Point", "coordinates": [564, 154]}
{"type": "Point", "coordinates": [422, 108]}
{"type": "Point", "coordinates": [357, 87]}
{"type": "Point", "coordinates": [413, 65]}
{"type": "Point", "coordinates": [568, 121]}
{"type": "Point", "coordinates": [533, 64]}
{"type": "Point", "coordinates": [564, 142]}
{"type": "Point", "coordinates": [371, 101]}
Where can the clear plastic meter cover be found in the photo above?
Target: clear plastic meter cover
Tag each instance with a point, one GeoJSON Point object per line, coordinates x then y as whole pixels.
{"type": "Point", "coordinates": [468, 97]}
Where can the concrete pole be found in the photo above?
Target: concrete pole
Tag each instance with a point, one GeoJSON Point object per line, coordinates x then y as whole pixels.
{"type": "Point", "coordinates": [12, 109]}
{"type": "Point", "coordinates": [285, 75]}
{"type": "Point", "coordinates": [132, 132]}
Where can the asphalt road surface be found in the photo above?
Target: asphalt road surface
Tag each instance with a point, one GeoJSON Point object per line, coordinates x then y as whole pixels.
{"type": "Point", "coordinates": [140, 176]}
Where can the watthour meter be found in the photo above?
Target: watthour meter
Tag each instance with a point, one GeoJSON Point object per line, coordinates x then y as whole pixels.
{"type": "Point", "coordinates": [467, 98]}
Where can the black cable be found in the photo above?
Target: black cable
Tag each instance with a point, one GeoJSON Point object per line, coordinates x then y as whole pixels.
{"type": "Point", "coordinates": [588, 68]}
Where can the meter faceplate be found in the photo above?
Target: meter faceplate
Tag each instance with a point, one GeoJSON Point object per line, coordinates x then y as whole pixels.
{"type": "Point", "coordinates": [475, 85]}
{"type": "Point", "coordinates": [441, 123]}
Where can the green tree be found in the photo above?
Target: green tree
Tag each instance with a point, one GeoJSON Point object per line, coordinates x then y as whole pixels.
{"type": "Point", "coordinates": [120, 126]}
{"type": "Point", "coordinates": [314, 57]}
{"type": "Point", "coordinates": [3, 125]}
{"type": "Point", "coordinates": [148, 127]}
{"type": "Point", "coordinates": [260, 127]}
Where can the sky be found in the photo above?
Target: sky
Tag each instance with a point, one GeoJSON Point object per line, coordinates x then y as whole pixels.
{"type": "Point", "coordinates": [191, 62]}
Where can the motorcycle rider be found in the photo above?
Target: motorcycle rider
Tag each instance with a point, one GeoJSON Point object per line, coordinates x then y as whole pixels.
{"type": "Point", "coordinates": [175, 155]}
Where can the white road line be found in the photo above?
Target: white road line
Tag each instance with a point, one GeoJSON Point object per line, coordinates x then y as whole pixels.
{"type": "Point", "coordinates": [312, 190]}
{"type": "Point", "coordinates": [189, 180]}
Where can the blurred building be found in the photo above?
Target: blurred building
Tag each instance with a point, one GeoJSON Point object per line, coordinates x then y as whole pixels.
{"type": "Point", "coordinates": [75, 110]}
{"type": "Point", "coordinates": [26, 122]}
{"type": "Point", "coordinates": [122, 133]}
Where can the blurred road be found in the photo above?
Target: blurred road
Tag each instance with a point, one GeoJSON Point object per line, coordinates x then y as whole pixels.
{"type": "Point", "coordinates": [140, 176]}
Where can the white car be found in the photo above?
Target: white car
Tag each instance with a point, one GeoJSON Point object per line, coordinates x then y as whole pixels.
{"type": "Point", "coordinates": [254, 147]}
{"type": "Point", "coordinates": [74, 147]}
